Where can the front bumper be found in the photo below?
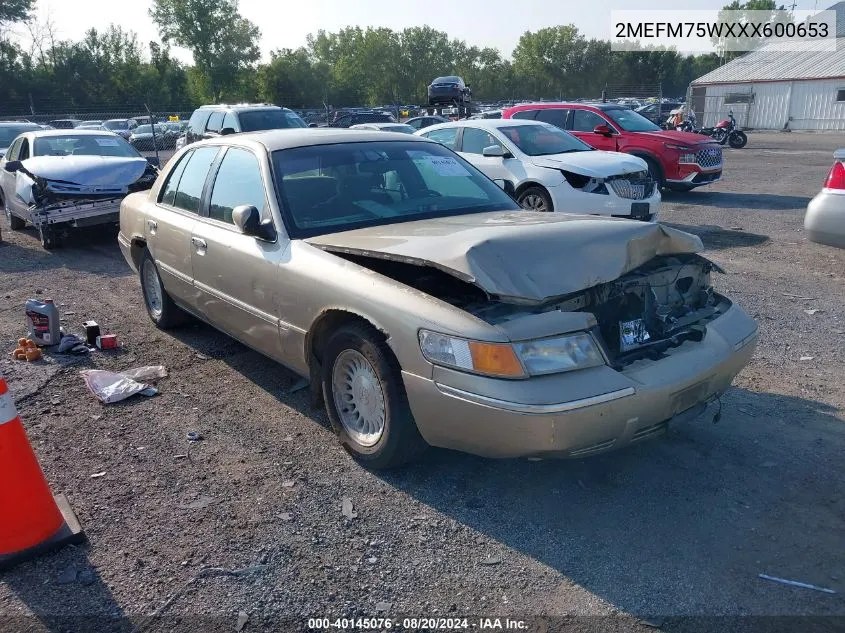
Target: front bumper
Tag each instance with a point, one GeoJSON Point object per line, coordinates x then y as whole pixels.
{"type": "Point", "coordinates": [824, 221]}
{"type": "Point", "coordinates": [618, 409]}
{"type": "Point", "coordinates": [566, 199]}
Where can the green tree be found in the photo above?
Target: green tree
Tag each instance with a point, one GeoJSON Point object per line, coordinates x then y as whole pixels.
{"type": "Point", "coordinates": [223, 43]}
{"type": "Point", "coordinates": [773, 13]}
{"type": "Point", "coordinates": [15, 11]}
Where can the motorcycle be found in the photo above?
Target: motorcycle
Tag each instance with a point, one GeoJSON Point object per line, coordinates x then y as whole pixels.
{"type": "Point", "coordinates": [726, 131]}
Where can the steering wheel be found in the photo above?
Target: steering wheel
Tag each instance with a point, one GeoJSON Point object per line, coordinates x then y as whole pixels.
{"type": "Point", "coordinates": [430, 193]}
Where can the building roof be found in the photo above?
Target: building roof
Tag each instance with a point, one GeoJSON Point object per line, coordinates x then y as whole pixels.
{"type": "Point", "coordinates": [779, 61]}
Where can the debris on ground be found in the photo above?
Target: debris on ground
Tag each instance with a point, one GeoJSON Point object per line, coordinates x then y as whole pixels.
{"type": "Point", "coordinates": [112, 387]}
{"type": "Point", "coordinates": [67, 576]}
{"type": "Point", "coordinates": [102, 473]}
{"type": "Point", "coordinates": [806, 358]}
{"type": "Point", "coordinates": [799, 297]}
{"type": "Point", "coordinates": [243, 618]}
{"type": "Point", "coordinates": [492, 560]}
{"type": "Point", "coordinates": [193, 436]}
{"type": "Point", "coordinates": [383, 607]}
{"type": "Point", "coordinates": [795, 583]}
{"type": "Point", "coordinates": [199, 504]}
{"type": "Point", "coordinates": [72, 344]}
{"type": "Point", "coordinates": [26, 350]}
{"type": "Point", "coordinates": [812, 311]}
{"type": "Point", "coordinates": [289, 483]}
{"type": "Point", "coordinates": [347, 509]}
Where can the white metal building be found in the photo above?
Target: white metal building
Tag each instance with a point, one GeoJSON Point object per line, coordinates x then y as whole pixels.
{"type": "Point", "coordinates": [771, 88]}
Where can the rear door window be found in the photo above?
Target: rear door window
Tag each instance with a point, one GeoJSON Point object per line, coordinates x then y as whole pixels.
{"type": "Point", "coordinates": [215, 122]}
{"type": "Point", "coordinates": [447, 137]}
{"type": "Point", "coordinates": [524, 114]}
{"type": "Point", "coordinates": [555, 116]}
{"type": "Point", "coordinates": [230, 121]}
{"type": "Point", "coordinates": [189, 190]}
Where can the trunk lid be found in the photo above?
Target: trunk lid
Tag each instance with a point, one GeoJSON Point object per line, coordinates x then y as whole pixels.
{"type": "Point", "coordinates": [518, 256]}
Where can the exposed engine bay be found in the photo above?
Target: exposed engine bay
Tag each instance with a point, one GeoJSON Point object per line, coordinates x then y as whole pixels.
{"type": "Point", "coordinates": [650, 309]}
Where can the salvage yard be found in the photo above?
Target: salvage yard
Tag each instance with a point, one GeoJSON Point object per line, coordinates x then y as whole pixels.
{"type": "Point", "coordinates": [251, 518]}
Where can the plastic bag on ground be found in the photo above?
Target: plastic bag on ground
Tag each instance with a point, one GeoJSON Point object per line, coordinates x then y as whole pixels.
{"type": "Point", "coordinates": [112, 387]}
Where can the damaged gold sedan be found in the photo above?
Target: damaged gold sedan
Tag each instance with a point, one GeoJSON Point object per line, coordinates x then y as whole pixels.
{"type": "Point", "coordinates": [424, 305]}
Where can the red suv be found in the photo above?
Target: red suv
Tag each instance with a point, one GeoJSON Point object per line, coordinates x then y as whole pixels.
{"type": "Point", "coordinates": [677, 160]}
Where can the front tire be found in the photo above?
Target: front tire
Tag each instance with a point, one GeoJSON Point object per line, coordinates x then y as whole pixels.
{"type": "Point", "coordinates": [535, 199]}
{"type": "Point", "coordinates": [15, 223]}
{"type": "Point", "coordinates": [655, 172]}
{"type": "Point", "coordinates": [366, 401]}
{"type": "Point", "coordinates": [737, 139]}
{"type": "Point", "coordinates": [161, 308]}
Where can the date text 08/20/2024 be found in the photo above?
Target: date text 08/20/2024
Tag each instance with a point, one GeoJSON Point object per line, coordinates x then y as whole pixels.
{"type": "Point", "coordinates": [412, 624]}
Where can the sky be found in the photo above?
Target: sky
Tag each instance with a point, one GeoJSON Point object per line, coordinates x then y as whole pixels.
{"type": "Point", "coordinates": [285, 24]}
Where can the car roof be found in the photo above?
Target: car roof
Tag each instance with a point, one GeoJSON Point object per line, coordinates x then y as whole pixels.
{"type": "Point", "coordinates": [485, 124]}
{"type": "Point", "coordinates": [34, 126]}
{"type": "Point", "coordinates": [544, 105]}
{"type": "Point", "coordinates": [240, 107]}
{"type": "Point", "coordinates": [273, 140]}
{"type": "Point", "coordinates": [73, 132]}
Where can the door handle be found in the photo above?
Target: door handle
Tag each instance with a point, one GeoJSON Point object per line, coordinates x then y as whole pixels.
{"type": "Point", "coordinates": [199, 243]}
{"type": "Point", "coordinates": [152, 225]}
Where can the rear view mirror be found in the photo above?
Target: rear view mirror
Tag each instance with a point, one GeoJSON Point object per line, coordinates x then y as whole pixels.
{"type": "Point", "coordinates": [12, 166]}
{"type": "Point", "coordinates": [603, 129]}
{"type": "Point", "coordinates": [248, 219]}
{"type": "Point", "coordinates": [494, 151]}
{"type": "Point", "coordinates": [506, 186]}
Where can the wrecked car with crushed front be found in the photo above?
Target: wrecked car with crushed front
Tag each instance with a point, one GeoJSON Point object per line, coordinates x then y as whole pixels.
{"type": "Point", "coordinates": [424, 306]}
{"type": "Point", "coordinates": [59, 180]}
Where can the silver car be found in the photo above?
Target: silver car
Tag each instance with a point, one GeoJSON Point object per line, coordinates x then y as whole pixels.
{"type": "Point", "coordinates": [825, 217]}
{"type": "Point", "coordinates": [424, 305]}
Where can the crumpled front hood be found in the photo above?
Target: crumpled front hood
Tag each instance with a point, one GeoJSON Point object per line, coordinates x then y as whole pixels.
{"type": "Point", "coordinates": [519, 256]}
{"type": "Point", "coordinates": [113, 172]}
{"type": "Point", "coordinates": [595, 164]}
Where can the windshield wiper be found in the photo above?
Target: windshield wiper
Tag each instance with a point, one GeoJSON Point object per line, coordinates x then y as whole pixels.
{"type": "Point", "coordinates": [566, 151]}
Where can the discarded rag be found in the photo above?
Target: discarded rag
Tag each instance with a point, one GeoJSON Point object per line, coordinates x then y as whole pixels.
{"type": "Point", "coordinates": [72, 344]}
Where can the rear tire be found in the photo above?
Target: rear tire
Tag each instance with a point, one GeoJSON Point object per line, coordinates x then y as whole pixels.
{"type": "Point", "coordinates": [15, 223]}
{"type": "Point", "coordinates": [535, 199]}
{"type": "Point", "coordinates": [366, 401]}
{"type": "Point", "coordinates": [161, 308]}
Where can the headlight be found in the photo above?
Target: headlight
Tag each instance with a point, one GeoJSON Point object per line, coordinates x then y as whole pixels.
{"type": "Point", "coordinates": [519, 360]}
{"type": "Point", "coordinates": [563, 353]}
{"type": "Point", "coordinates": [681, 148]}
{"type": "Point", "coordinates": [492, 359]}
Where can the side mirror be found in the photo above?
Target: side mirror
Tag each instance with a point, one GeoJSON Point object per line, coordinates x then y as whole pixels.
{"type": "Point", "coordinates": [152, 160]}
{"type": "Point", "coordinates": [506, 186]}
{"type": "Point", "coordinates": [12, 166]}
{"type": "Point", "coordinates": [603, 129]}
{"type": "Point", "coordinates": [495, 151]}
{"type": "Point", "coordinates": [248, 219]}
{"type": "Point", "coordinates": [226, 131]}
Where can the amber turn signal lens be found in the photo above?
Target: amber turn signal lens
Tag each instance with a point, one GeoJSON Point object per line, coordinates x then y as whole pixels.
{"type": "Point", "coordinates": [495, 359]}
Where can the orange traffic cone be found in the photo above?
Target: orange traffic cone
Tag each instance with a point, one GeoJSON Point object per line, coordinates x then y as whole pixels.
{"type": "Point", "coordinates": [33, 521]}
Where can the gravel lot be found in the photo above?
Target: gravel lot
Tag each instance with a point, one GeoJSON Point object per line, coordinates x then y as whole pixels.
{"type": "Point", "coordinates": [680, 526]}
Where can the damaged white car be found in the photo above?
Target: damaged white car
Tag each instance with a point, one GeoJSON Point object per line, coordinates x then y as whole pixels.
{"type": "Point", "coordinates": [63, 179]}
{"type": "Point", "coordinates": [552, 170]}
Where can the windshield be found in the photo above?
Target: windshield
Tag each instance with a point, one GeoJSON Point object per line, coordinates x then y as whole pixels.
{"type": "Point", "coordinates": [330, 188]}
{"type": "Point", "coordinates": [9, 133]}
{"type": "Point", "coordinates": [542, 140]}
{"type": "Point", "coordinates": [83, 145]}
{"type": "Point", "coordinates": [254, 120]}
{"type": "Point", "coordinates": [630, 121]}
{"type": "Point", "coordinates": [116, 125]}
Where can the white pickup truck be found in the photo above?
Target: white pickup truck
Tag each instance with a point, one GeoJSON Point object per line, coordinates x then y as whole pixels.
{"type": "Point", "coordinates": [58, 180]}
